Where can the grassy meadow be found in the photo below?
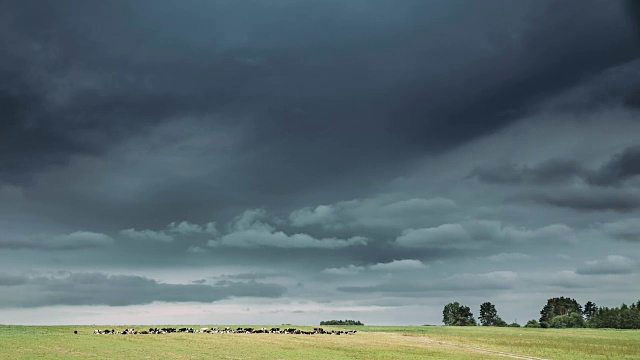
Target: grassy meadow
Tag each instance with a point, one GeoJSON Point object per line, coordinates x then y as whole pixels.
{"type": "Point", "coordinates": [371, 342]}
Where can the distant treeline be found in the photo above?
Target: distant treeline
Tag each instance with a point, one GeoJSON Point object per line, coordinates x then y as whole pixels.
{"type": "Point", "coordinates": [341, 322]}
{"type": "Point", "coordinates": [560, 312]}
{"type": "Point", "coordinates": [623, 317]}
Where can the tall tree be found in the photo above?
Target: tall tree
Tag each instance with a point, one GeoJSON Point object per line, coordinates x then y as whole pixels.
{"type": "Point", "coordinates": [488, 314]}
{"type": "Point", "coordinates": [558, 306]}
{"type": "Point", "coordinates": [455, 314]}
{"type": "Point", "coordinates": [590, 309]}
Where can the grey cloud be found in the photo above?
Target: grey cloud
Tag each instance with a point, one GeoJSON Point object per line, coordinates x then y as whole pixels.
{"type": "Point", "coordinates": [260, 237]}
{"type": "Point", "coordinates": [146, 235]}
{"type": "Point", "coordinates": [254, 276]}
{"type": "Point", "coordinates": [548, 172]}
{"type": "Point", "coordinates": [393, 266]}
{"type": "Point", "coordinates": [73, 241]}
{"type": "Point", "coordinates": [267, 78]}
{"type": "Point", "coordinates": [612, 264]}
{"type": "Point", "coordinates": [472, 234]}
{"type": "Point", "coordinates": [123, 290]}
{"type": "Point", "coordinates": [187, 228]}
{"type": "Point", "coordinates": [497, 280]}
{"type": "Point", "coordinates": [200, 111]}
{"type": "Point", "coordinates": [196, 250]}
{"type": "Point", "coordinates": [620, 167]}
{"type": "Point", "coordinates": [633, 9]}
{"type": "Point", "coordinates": [446, 235]}
{"type": "Point", "coordinates": [566, 279]}
{"type": "Point", "coordinates": [250, 231]}
{"type": "Point", "coordinates": [173, 230]}
{"type": "Point", "coordinates": [389, 211]}
{"type": "Point", "coordinates": [626, 229]}
{"type": "Point", "coordinates": [586, 199]}
{"type": "Point", "coordinates": [509, 257]}
{"type": "Point", "coordinates": [12, 280]}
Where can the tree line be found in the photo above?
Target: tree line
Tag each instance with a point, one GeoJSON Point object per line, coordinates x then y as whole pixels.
{"type": "Point", "coordinates": [559, 312]}
{"type": "Point", "coordinates": [341, 322]}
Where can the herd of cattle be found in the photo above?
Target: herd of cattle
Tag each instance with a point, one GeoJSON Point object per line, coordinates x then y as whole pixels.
{"type": "Point", "coordinates": [226, 330]}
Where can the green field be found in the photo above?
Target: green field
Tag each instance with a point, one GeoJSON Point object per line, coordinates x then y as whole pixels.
{"type": "Point", "coordinates": [371, 342]}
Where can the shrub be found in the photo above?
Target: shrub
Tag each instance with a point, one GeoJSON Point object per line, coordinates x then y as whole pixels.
{"type": "Point", "coordinates": [533, 323]}
{"type": "Point", "coordinates": [571, 320]}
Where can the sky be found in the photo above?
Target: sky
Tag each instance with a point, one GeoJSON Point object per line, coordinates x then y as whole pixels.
{"type": "Point", "coordinates": [230, 162]}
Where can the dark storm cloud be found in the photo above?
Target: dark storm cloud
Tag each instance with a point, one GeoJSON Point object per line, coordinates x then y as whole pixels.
{"type": "Point", "coordinates": [74, 241]}
{"type": "Point", "coordinates": [586, 199]}
{"type": "Point", "coordinates": [304, 95]}
{"type": "Point", "coordinates": [633, 9]}
{"type": "Point", "coordinates": [548, 172]}
{"type": "Point", "coordinates": [619, 168]}
{"type": "Point", "coordinates": [123, 290]}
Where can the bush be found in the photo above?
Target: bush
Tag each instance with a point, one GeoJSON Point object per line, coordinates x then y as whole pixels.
{"type": "Point", "coordinates": [571, 320]}
{"type": "Point", "coordinates": [514, 324]}
{"type": "Point", "coordinates": [500, 323]}
{"type": "Point", "coordinates": [533, 323]}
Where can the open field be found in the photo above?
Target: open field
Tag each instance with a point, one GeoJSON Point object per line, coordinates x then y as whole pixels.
{"type": "Point", "coordinates": [371, 342]}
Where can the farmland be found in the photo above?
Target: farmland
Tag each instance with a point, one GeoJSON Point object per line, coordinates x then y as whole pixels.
{"type": "Point", "coordinates": [370, 342]}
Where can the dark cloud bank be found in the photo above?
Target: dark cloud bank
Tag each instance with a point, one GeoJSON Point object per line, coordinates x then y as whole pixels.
{"type": "Point", "coordinates": [120, 290]}
{"type": "Point", "coordinates": [331, 158]}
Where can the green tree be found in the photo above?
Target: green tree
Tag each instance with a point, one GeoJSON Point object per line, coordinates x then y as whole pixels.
{"type": "Point", "coordinates": [590, 309]}
{"type": "Point", "coordinates": [488, 314]}
{"type": "Point", "coordinates": [455, 314]}
{"type": "Point", "coordinates": [558, 306]}
{"type": "Point", "coordinates": [623, 317]}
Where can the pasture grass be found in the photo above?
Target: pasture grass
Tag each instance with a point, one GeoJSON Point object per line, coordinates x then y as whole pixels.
{"type": "Point", "coordinates": [545, 343]}
{"type": "Point", "coordinates": [371, 342]}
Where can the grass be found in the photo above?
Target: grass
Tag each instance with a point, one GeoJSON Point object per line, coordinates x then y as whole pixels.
{"type": "Point", "coordinates": [371, 342]}
{"type": "Point", "coordinates": [545, 343]}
